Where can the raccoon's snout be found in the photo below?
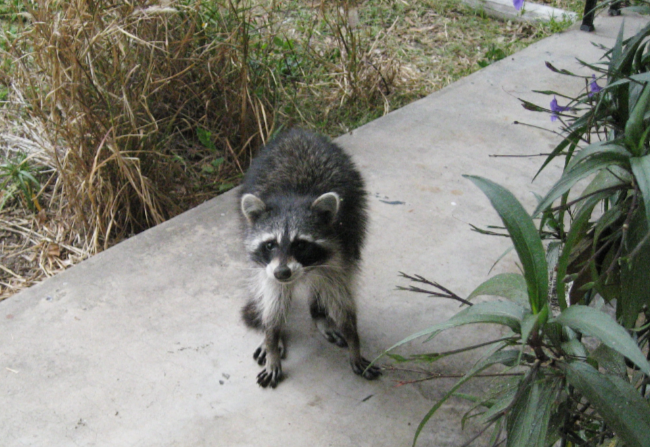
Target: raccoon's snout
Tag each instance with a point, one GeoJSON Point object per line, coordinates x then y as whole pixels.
{"type": "Point", "coordinates": [282, 273]}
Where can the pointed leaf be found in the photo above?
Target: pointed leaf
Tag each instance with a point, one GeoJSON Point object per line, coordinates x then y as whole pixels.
{"type": "Point", "coordinates": [590, 321]}
{"type": "Point", "coordinates": [587, 167]}
{"type": "Point", "coordinates": [496, 410]}
{"type": "Point", "coordinates": [505, 313]}
{"type": "Point", "coordinates": [617, 402]}
{"type": "Point", "coordinates": [641, 171]}
{"type": "Point", "coordinates": [610, 360]}
{"type": "Point", "coordinates": [577, 231]}
{"type": "Point", "coordinates": [609, 178]}
{"type": "Point", "coordinates": [496, 312]}
{"type": "Point", "coordinates": [524, 236]}
{"type": "Point", "coordinates": [560, 70]}
{"type": "Point", "coordinates": [499, 357]}
{"type": "Point", "coordinates": [635, 281]}
{"type": "Point", "coordinates": [594, 149]}
{"type": "Point", "coordinates": [507, 285]}
{"type": "Point", "coordinates": [529, 418]}
{"type": "Point", "coordinates": [572, 140]}
{"type": "Point", "coordinates": [634, 127]}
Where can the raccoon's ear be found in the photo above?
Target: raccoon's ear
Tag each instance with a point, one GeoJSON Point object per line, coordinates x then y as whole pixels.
{"type": "Point", "coordinates": [328, 205]}
{"type": "Point", "coordinates": [252, 206]}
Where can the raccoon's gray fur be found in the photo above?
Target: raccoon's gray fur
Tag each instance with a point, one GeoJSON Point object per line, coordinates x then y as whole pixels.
{"type": "Point", "coordinates": [304, 215]}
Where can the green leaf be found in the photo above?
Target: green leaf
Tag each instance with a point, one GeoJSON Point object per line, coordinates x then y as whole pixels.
{"type": "Point", "coordinates": [507, 285]}
{"type": "Point", "coordinates": [576, 233]}
{"type": "Point", "coordinates": [608, 178]}
{"type": "Point", "coordinates": [528, 420]}
{"type": "Point", "coordinates": [594, 149]}
{"type": "Point", "coordinates": [574, 349]}
{"type": "Point", "coordinates": [524, 236]}
{"type": "Point", "coordinates": [499, 406]}
{"type": "Point", "coordinates": [590, 321]}
{"type": "Point", "coordinates": [571, 141]}
{"type": "Point", "coordinates": [505, 313]}
{"type": "Point", "coordinates": [205, 137]}
{"type": "Point", "coordinates": [591, 165]}
{"type": "Point", "coordinates": [618, 402]}
{"type": "Point", "coordinates": [496, 312]}
{"type": "Point", "coordinates": [610, 360]}
{"type": "Point", "coordinates": [641, 78]}
{"type": "Point", "coordinates": [530, 323]}
{"type": "Point", "coordinates": [635, 281]}
{"type": "Point", "coordinates": [634, 127]}
{"type": "Point", "coordinates": [560, 70]}
{"type": "Point", "coordinates": [641, 171]}
{"type": "Point", "coordinates": [499, 357]}
{"type": "Point", "coordinates": [533, 107]}
{"type": "Point", "coordinates": [608, 219]}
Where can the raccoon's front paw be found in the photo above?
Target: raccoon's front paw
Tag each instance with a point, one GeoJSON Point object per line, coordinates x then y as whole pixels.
{"type": "Point", "coordinates": [270, 376]}
{"type": "Point", "coordinates": [360, 368]}
{"type": "Point", "coordinates": [260, 353]}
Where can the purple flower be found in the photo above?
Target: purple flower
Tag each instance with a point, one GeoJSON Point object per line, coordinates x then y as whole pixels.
{"type": "Point", "coordinates": [593, 86]}
{"type": "Point", "coordinates": [555, 109]}
{"type": "Point", "coordinates": [518, 4]}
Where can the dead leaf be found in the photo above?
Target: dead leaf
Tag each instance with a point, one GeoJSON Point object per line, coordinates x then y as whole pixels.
{"type": "Point", "coordinates": [53, 251]}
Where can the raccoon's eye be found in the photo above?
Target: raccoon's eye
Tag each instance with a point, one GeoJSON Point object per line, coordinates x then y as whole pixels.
{"type": "Point", "coordinates": [270, 245]}
{"type": "Point", "coordinates": [300, 245]}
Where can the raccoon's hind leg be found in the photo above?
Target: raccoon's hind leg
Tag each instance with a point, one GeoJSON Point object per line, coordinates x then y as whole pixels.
{"type": "Point", "coordinates": [252, 315]}
{"type": "Point", "coordinates": [348, 328]}
{"type": "Point", "coordinates": [325, 324]}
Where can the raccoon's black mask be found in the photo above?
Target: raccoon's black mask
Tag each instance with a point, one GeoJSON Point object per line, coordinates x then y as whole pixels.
{"type": "Point", "coordinates": [289, 234]}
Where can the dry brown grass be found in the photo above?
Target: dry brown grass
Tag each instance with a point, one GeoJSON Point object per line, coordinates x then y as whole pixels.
{"type": "Point", "coordinates": [114, 90]}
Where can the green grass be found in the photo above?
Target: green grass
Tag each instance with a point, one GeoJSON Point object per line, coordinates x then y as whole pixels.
{"type": "Point", "coordinates": [405, 51]}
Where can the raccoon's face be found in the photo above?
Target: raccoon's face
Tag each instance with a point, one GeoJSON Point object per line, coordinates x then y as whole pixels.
{"type": "Point", "coordinates": [289, 239]}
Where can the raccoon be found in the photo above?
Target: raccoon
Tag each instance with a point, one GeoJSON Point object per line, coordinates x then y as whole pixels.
{"type": "Point", "coordinates": [304, 216]}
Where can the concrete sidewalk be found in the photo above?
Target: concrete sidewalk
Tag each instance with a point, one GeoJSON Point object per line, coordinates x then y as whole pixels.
{"type": "Point", "coordinates": [142, 345]}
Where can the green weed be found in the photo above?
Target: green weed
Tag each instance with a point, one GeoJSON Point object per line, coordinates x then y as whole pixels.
{"type": "Point", "coordinates": [18, 181]}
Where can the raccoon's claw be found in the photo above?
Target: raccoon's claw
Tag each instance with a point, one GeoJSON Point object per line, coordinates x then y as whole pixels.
{"type": "Point", "coordinates": [361, 368]}
{"type": "Point", "coordinates": [266, 377]}
{"type": "Point", "coordinates": [260, 353]}
{"type": "Point", "coordinates": [335, 337]}
{"type": "Point", "coordinates": [331, 334]}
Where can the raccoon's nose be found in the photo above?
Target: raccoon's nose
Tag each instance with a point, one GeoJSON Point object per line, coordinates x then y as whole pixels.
{"type": "Point", "coordinates": [282, 273]}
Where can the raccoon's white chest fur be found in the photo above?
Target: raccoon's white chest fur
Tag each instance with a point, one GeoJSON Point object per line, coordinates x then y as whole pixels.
{"type": "Point", "coordinates": [334, 283]}
{"type": "Point", "coordinates": [276, 297]}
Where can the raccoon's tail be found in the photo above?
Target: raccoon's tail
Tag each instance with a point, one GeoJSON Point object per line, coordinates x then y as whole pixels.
{"type": "Point", "coordinates": [251, 315]}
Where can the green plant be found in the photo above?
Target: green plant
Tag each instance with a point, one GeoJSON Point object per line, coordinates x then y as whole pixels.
{"type": "Point", "coordinates": [493, 54]}
{"type": "Point", "coordinates": [590, 245]}
{"type": "Point", "coordinates": [18, 178]}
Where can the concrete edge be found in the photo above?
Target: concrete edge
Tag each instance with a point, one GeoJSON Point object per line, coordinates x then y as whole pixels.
{"type": "Point", "coordinates": [531, 12]}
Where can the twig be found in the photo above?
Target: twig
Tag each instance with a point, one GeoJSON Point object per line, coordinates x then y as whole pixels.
{"type": "Point", "coordinates": [573, 202]}
{"type": "Point", "coordinates": [519, 156]}
{"type": "Point", "coordinates": [454, 376]}
{"type": "Point", "coordinates": [447, 293]}
{"type": "Point", "coordinates": [477, 435]}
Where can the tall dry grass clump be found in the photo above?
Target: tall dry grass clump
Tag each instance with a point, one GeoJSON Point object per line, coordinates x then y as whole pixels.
{"type": "Point", "coordinates": [119, 91]}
